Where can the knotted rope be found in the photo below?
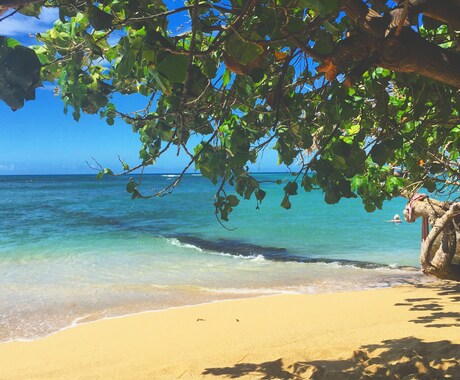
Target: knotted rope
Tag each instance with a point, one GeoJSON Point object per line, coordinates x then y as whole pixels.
{"type": "Point", "coordinates": [410, 208]}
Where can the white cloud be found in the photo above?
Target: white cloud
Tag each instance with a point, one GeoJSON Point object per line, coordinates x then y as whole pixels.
{"type": "Point", "coordinates": [18, 24]}
{"type": "Point", "coordinates": [7, 168]}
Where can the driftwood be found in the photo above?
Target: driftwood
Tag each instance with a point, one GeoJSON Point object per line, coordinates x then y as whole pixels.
{"type": "Point", "coordinates": [439, 255]}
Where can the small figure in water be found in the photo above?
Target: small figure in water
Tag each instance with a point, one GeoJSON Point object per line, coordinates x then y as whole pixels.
{"type": "Point", "coordinates": [396, 219]}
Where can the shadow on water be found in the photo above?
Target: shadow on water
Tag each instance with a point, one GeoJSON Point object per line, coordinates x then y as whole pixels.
{"type": "Point", "coordinates": [436, 316]}
{"type": "Point", "coordinates": [406, 358]}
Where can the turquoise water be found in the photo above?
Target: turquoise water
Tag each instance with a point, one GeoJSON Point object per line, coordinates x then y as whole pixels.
{"type": "Point", "coordinates": [75, 249]}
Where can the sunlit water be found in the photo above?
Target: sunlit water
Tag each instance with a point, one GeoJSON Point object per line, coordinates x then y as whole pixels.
{"type": "Point", "coordinates": [75, 249]}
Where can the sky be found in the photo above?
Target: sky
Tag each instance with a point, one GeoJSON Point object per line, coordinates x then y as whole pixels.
{"type": "Point", "coordinates": [40, 139]}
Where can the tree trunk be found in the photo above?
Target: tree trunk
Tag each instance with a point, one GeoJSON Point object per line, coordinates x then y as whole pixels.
{"type": "Point", "coordinates": [439, 256]}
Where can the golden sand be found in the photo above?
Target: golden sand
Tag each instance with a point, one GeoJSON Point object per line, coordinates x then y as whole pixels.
{"type": "Point", "coordinates": [405, 332]}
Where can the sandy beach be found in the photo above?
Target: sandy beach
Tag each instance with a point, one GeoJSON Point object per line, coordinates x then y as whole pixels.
{"type": "Point", "coordinates": [404, 332]}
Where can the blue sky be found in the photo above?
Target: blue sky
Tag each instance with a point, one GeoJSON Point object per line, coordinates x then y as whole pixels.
{"type": "Point", "coordinates": [40, 139]}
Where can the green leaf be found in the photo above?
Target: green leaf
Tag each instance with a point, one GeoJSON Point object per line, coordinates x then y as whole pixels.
{"type": "Point", "coordinates": [260, 195]}
{"type": "Point", "coordinates": [369, 207]}
{"type": "Point", "coordinates": [126, 63]}
{"type": "Point", "coordinates": [295, 25]}
{"type": "Point", "coordinates": [19, 73]}
{"type": "Point", "coordinates": [226, 77]}
{"type": "Point", "coordinates": [11, 42]}
{"type": "Point", "coordinates": [248, 192]}
{"type": "Point", "coordinates": [209, 68]}
{"type": "Point", "coordinates": [393, 184]}
{"type": "Point", "coordinates": [98, 18]}
{"type": "Point", "coordinates": [232, 201]}
{"type": "Point", "coordinates": [307, 183]}
{"type": "Point", "coordinates": [325, 44]}
{"type": "Point", "coordinates": [430, 186]}
{"type": "Point", "coordinates": [31, 9]}
{"type": "Point", "coordinates": [379, 154]}
{"type": "Point", "coordinates": [174, 68]}
{"type": "Point", "coordinates": [130, 187]}
{"type": "Point", "coordinates": [243, 51]}
{"type": "Point", "coordinates": [286, 203]}
{"type": "Point", "coordinates": [291, 188]}
{"type": "Point", "coordinates": [100, 100]}
{"type": "Point", "coordinates": [359, 182]}
{"type": "Point", "coordinates": [323, 7]}
{"type": "Point", "coordinates": [331, 197]}
{"type": "Point", "coordinates": [224, 214]}
{"type": "Point", "coordinates": [95, 48]}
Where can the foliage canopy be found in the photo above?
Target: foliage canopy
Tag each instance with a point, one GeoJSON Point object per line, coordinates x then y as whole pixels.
{"type": "Point", "coordinates": [359, 98]}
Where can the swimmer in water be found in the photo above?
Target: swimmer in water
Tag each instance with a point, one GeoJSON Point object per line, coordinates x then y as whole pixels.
{"type": "Point", "coordinates": [396, 219]}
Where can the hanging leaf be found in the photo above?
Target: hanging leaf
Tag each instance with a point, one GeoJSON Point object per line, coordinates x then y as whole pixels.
{"type": "Point", "coordinates": [130, 187]}
{"type": "Point", "coordinates": [331, 197]}
{"type": "Point", "coordinates": [232, 201]}
{"type": "Point", "coordinates": [291, 188]}
{"type": "Point", "coordinates": [19, 73]}
{"type": "Point", "coordinates": [260, 195]}
{"type": "Point", "coordinates": [286, 203]}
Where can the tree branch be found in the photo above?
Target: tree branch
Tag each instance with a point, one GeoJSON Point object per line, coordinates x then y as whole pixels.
{"type": "Point", "coordinates": [447, 11]}
{"type": "Point", "coordinates": [405, 50]}
{"type": "Point", "coordinates": [411, 53]}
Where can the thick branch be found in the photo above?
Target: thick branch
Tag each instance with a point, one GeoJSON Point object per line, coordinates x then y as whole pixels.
{"type": "Point", "coordinates": [366, 18]}
{"type": "Point", "coordinates": [429, 208]}
{"type": "Point", "coordinates": [407, 52]}
{"type": "Point", "coordinates": [447, 11]}
{"type": "Point", "coordinates": [438, 226]}
{"type": "Point", "coordinates": [411, 53]}
{"type": "Point", "coordinates": [442, 239]}
{"type": "Point", "coordinates": [441, 264]}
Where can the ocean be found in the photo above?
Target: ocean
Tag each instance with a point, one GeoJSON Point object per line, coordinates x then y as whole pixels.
{"type": "Point", "coordinates": [75, 249]}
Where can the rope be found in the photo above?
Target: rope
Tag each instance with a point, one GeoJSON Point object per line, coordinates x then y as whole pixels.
{"type": "Point", "coordinates": [425, 228]}
{"type": "Point", "coordinates": [410, 209]}
{"type": "Point", "coordinates": [410, 205]}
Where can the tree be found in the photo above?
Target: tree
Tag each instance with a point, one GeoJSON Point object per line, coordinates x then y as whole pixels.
{"type": "Point", "coordinates": [363, 96]}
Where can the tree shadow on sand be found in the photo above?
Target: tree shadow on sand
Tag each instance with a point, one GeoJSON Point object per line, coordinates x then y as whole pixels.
{"type": "Point", "coordinates": [407, 358]}
{"type": "Point", "coordinates": [436, 317]}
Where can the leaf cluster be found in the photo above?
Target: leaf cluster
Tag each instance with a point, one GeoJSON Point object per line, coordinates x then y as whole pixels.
{"type": "Point", "coordinates": [245, 76]}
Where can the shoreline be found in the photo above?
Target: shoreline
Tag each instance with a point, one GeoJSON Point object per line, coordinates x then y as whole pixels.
{"type": "Point", "coordinates": [76, 324]}
{"type": "Point", "coordinates": [236, 297]}
{"type": "Point", "coordinates": [279, 336]}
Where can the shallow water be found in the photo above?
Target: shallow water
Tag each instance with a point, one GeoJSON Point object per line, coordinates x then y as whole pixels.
{"type": "Point", "coordinates": [74, 248]}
